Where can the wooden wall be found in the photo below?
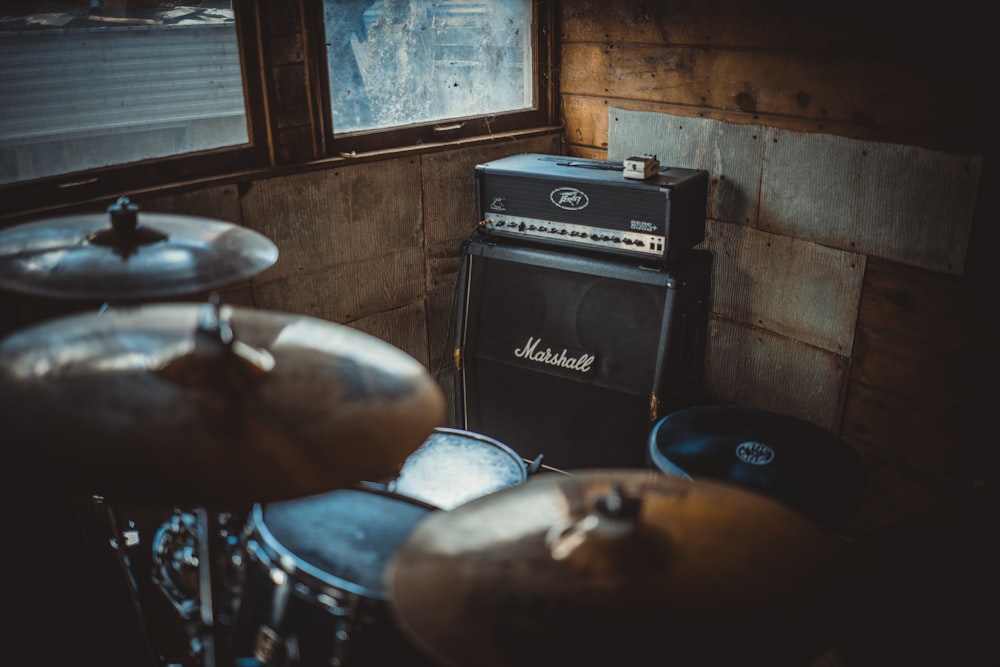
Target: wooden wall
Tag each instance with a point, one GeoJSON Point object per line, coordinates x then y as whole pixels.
{"type": "Point", "coordinates": [895, 352]}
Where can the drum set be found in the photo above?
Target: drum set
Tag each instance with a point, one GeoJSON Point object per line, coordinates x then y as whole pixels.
{"type": "Point", "coordinates": [322, 515]}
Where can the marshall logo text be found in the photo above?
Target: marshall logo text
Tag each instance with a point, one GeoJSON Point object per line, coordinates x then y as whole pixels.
{"type": "Point", "coordinates": [530, 351]}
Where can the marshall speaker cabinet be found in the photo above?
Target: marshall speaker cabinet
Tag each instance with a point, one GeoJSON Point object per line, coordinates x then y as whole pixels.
{"type": "Point", "coordinates": [573, 355]}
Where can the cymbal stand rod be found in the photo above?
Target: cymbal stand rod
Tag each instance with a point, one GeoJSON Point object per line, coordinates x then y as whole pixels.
{"type": "Point", "coordinates": [209, 589]}
{"type": "Point", "coordinates": [119, 542]}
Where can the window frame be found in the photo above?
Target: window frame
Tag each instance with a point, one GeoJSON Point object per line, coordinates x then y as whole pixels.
{"type": "Point", "coordinates": [103, 182]}
{"type": "Point", "coordinates": [445, 130]}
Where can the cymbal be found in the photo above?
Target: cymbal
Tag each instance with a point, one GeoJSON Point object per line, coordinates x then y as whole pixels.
{"type": "Point", "coordinates": [786, 458]}
{"type": "Point", "coordinates": [605, 567]}
{"type": "Point", "coordinates": [126, 255]}
{"type": "Point", "coordinates": [203, 404]}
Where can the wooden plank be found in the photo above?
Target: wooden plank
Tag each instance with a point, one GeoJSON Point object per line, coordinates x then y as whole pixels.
{"type": "Point", "coordinates": [827, 87]}
{"type": "Point", "coordinates": [760, 369]}
{"type": "Point", "coordinates": [898, 491]}
{"type": "Point", "coordinates": [319, 219]}
{"type": "Point", "coordinates": [903, 203]}
{"type": "Point", "coordinates": [731, 154]}
{"type": "Point", "coordinates": [956, 386]}
{"type": "Point", "coordinates": [348, 291]}
{"type": "Point", "coordinates": [790, 287]}
{"type": "Point", "coordinates": [931, 308]}
{"type": "Point", "coordinates": [775, 24]}
{"type": "Point", "coordinates": [586, 120]}
{"type": "Point", "coordinates": [918, 435]}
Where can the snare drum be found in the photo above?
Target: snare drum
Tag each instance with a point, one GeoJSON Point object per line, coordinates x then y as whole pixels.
{"type": "Point", "coordinates": [313, 591]}
{"type": "Point", "coordinates": [454, 466]}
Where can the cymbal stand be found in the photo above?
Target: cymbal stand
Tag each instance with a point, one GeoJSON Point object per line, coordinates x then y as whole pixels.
{"type": "Point", "coordinates": [210, 590]}
{"type": "Point", "coordinates": [120, 540]}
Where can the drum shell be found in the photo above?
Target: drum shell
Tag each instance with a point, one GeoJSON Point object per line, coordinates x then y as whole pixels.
{"type": "Point", "coordinates": [300, 606]}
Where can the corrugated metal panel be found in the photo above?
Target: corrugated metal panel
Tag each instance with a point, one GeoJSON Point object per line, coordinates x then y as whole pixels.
{"type": "Point", "coordinates": [792, 287]}
{"type": "Point", "coordinates": [80, 82]}
{"type": "Point", "coordinates": [903, 203]}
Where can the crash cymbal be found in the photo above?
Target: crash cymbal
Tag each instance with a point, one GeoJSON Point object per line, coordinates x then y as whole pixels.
{"type": "Point", "coordinates": [789, 459]}
{"type": "Point", "coordinates": [613, 567]}
{"type": "Point", "coordinates": [125, 255]}
{"type": "Point", "coordinates": [209, 405]}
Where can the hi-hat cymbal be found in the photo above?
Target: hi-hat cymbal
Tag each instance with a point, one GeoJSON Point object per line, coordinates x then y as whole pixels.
{"type": "Point", "coordinates": [206, 405]}
{"type": "Point", "coordinates": [613, 567]}
{"type": "Point", "coordinates": [126, 255]}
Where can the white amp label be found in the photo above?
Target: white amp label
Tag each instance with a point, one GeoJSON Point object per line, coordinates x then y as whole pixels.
{"type": "Point", "coordinates": [564, 359]}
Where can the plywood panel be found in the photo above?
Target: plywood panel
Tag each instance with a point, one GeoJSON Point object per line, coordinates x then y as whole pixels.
{"type": "Point", "coordinates": [320, 219]}
{"type": "Point", "coordinates": [828, 87]}
{"type": "Point", "coordinates": [586, 120]}
{"type": "Point", "coordinates": [348, 291]}
{"type": "Point", "coordinates": [957, 386]}
{"type": "Point", "coordinates": [903, 203]}
{"type": "Point", "coordinates": [731, 154]}
{"type": "Point", "coordinates": [916, 434]}
{"type": "Point", "coordinates": [760, 369]}
{"type": "Point", "coordinates": [790, 287]}
{"type": "Point", "coordinates": [776, 24]}
{"type": "Point", "coordinates": [932, 308]}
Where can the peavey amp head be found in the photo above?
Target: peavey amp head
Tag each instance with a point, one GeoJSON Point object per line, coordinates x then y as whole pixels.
{"type": "Point", "coordinates": [593, 204]}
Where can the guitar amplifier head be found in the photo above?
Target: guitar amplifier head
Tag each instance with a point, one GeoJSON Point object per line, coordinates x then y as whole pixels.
{"type": "Point", "coordinates": [593, 204]}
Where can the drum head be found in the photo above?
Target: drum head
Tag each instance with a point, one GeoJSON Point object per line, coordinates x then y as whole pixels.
{"type": "Point", "coordinates": [343, 538]}
{"type": "Point", "coordinates": [453, 467]}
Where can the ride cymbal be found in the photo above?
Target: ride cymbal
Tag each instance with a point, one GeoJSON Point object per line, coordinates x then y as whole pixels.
{"type": "Point", "coordinates": [613, 567]}
{"type": "Point", "coordinates": [206, 405]}
{"type": "Point", "coordinates": [131, 256]}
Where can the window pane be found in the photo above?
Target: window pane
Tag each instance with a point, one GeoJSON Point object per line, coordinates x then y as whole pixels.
{"type": "Point", "coordinates": [399, 62]}
{"type": "Point", "coordinates": [85, 87]}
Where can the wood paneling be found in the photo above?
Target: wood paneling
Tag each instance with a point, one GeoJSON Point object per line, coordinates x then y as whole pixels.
{"type": "Point", "coordinates": [405, 328]}
{"type": "Point", "coordinates": [884, 147]}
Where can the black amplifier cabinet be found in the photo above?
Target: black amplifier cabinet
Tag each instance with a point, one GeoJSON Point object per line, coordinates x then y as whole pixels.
{"type": "Point", "coordinates": [572, 356]}
{"type": "Point", "coordinates": [591, 204]}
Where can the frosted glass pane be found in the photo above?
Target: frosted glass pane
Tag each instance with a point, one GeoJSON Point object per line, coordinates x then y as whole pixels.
{"type": "Point", "coordinates": [399, 62]}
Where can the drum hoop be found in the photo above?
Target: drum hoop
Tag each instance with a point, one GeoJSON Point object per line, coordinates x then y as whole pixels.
{"type": "Point", "coordinates": [281, 554]}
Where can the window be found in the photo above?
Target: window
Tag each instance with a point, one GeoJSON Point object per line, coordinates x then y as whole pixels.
{"type": "Point", "coordinates": [94, 85]}
{"type": "Point", "coordinates": [432, 69]}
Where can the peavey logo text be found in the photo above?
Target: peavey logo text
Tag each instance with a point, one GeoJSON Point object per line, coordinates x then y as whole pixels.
{"type": "Point", "coordinates": [569, 199]}
{"type": "Point", "coordinates": [530, 351]}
